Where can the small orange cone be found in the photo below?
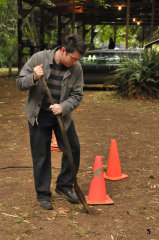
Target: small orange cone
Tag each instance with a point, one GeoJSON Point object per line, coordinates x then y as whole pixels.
{"type": "Point", "coordinates": [97, 191]}
{"type": "Point", "coordinates": [114, 168]}
{"type": "Point", "coordinates": [54, 146]}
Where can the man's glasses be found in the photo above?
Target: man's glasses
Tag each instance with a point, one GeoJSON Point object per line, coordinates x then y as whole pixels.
{"type": "Point", "coordinates": [73, 59]}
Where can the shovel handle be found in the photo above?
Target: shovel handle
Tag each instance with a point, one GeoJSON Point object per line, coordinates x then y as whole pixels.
{"type": "Point", "coordinates": [68, 150]}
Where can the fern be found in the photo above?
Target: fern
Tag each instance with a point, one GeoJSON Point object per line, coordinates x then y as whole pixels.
{"type": "Point", "coordinates": [139, 78]}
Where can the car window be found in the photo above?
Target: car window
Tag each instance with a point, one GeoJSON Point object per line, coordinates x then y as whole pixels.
{"type": "Point", "coordinates": [112, 58]}
{"type": "Point", "coordinates": [107, 57]}
{"type": "Point", "coordinates": [129, 55]}
{"type": "Point", "coordinates": [89, 58]}
{"type": "Point", "coordinates": [95, 58]}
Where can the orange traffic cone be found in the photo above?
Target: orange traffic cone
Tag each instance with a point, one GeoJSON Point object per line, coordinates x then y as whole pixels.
{"type": "Point", "coordinates": [97, 191]}
{"type": "Point", "coordinates": [114, 168]}
{"type": "Point", "coordinates": [54, 146]}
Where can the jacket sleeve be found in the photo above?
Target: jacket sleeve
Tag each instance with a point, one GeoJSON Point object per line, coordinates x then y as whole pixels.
{"type": "Point", "coordinates": [75, 95]}
{"type": "Point", "coordinates": [25, 79]}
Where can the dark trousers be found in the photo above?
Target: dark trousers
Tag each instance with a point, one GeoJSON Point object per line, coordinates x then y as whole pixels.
{"type": "Point", "coordinates": [40, 141]}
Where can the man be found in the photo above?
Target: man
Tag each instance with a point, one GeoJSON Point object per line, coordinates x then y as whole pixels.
{"type": "Point", "coordinates": [111, 44]}
{"type": "Point", "coordinates": [64, 77]}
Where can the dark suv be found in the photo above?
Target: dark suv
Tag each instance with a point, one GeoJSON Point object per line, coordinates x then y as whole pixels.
{"type": "Point", "coordinates": [99, 65]}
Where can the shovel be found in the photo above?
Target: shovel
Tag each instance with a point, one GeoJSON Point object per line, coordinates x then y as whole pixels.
{"type": "Point", "coordinates": [77, 189]}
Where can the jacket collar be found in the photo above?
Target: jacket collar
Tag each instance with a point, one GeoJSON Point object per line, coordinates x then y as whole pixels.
{"type": "Point", "coordinates": [50, 54]}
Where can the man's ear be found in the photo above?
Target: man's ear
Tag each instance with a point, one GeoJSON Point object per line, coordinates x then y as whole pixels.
{"type": "Point", "coordinates": [63, 50]}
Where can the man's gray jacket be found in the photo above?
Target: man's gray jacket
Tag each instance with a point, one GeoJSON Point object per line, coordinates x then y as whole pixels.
{"type": "Point", "coordinates": [71, 86]}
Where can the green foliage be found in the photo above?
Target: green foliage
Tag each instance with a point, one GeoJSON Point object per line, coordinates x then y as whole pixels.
{"type": "Point", "coordinates": [82, 233]}
{"type": "Point", "coordinates": [139, 78]}
{"type": "Point", "coordinates": [48, 2]}
{"type": "Point", "coordinates": [6, 51]}
{"type": "Point", "coordinates": [102, 3]}
{"type": "Point", "coordinates": [108, 31]}
{"type": "Point", "coordinates": [8, 30]}
{"type": "Point", "coordinates": [3, 3]}
{"type": "Point", "coordinates": [20, 219]}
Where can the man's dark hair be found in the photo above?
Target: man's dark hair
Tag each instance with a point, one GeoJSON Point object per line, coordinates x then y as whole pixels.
{"type": "Point", "coordinates": [74, 42]}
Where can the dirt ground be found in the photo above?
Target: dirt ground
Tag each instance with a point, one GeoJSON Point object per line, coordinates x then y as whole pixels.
{"type": "Point", "coordinates": [101, 117]}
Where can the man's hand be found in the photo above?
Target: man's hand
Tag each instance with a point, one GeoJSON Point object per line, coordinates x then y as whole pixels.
{"type": "Point", "coordinates": [56, 109]}
{"type": "Point", "coordinates": [38, 72]}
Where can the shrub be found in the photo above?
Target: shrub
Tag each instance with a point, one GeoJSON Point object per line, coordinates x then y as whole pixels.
{"type": "Point", "coordinates": [139, 78]}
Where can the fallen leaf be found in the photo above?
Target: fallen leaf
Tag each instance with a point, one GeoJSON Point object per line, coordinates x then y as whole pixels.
{"type": "Point", "coordinates": [63, 211]}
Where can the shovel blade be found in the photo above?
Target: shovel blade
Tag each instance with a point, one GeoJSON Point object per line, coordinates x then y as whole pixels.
{"type": "Point", "coordinates": [81, 196]}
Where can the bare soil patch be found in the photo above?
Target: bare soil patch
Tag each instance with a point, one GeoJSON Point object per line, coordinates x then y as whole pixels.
{"type": "Point", "coordinates": [101, 117]}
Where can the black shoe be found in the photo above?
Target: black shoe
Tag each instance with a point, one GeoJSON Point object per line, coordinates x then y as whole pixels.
{"type": "Point", "coordinates": [46, 205]}
{"type": "Point", "coordinates": [70, 196]}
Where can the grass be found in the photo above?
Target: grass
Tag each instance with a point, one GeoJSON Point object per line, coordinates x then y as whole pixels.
{"type": "Point", "coordinates": [7, 69]}
{"type": "Point", "coordinates": [82, 233]}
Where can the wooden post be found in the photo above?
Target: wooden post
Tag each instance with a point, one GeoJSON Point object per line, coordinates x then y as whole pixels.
{"type": "Point", "coordinates": [42, 28]}
{"type": "Point", "coordinates": [152, 19]}
{"type": "Point", "coordinates": [143, 35]}
{"type": "Point", "coordinates": [59, 30]}
{"type": "Point", "coordinates": [92, 34]}
{"type": "Point", "coordinates": [115, 28]}
{"type": "Point", "coordinates": [127, 23]}
{"type": "Point", "coordinates": [10, 59]}
{"type": "Point", "coordinates": [73, 18]}
{"type": "Point", "coordinates": [83, 31]}
{"type": "Point", "coordinates": [19, 27]}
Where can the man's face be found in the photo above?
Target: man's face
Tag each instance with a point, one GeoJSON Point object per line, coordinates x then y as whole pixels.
{"type": "Point", "coordinates": [69, 59]}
